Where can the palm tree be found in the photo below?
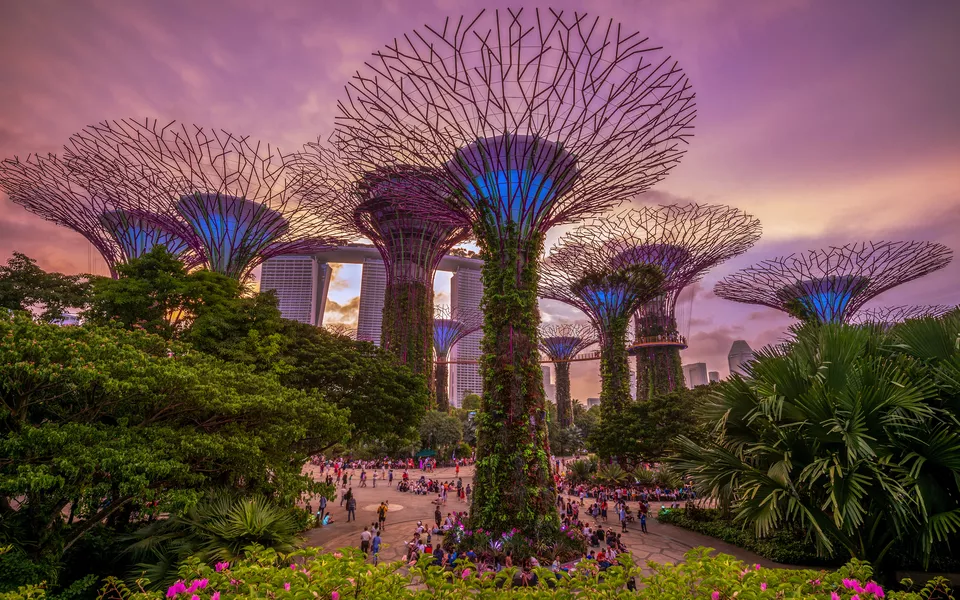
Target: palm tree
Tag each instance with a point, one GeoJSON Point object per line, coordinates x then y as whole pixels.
{"type": "Point", "coordinates": [850, 432]}
{"type": "Point", "coordinates": [222, 527]}
{"type": "Point", "coordinates": [581, 470]}
{"type": "Point", "coordinates": [612, 474]}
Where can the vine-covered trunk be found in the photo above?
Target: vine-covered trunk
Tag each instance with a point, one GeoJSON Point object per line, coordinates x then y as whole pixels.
{"type": "Point", "coordinates": [614, 370]}
{"type": "Point", "coordinates": [659, 371]}
{"type": "Point", "coordinates": [407, 329]}
{"type": "Point", "coordinates": [564, 408]}
{"type": "Point", "coordinates": [440, 385]}
{"type": "Point", "coordinates": [514, 487]}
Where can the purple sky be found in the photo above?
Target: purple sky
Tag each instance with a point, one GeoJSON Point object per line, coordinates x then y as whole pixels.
{"type": "Point", "coordinates": [830, 121]}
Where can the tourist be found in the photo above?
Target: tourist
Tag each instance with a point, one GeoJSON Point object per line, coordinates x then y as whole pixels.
{"type": "Point", "coordinates": [365, 538]}
{"type": "Point", "coordinates": [643, 522]}
{"type": "Point", "coordinates": [382, 514]}
{"type": "Point", "coordinates": [374, 478]}
{"type": "Point", "coordinates": [375, 548]}
{"type": "Point", "coordinates": [438, 516]}
{"type": "Point", "coordinates": [351, 509]}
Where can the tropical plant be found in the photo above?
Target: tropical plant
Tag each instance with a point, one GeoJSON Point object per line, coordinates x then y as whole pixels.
{"type": "Point", "coordinates": [581, 470]}
{"type": "Point", "coordinates": [849, 432]}
{"type": "Point", "coordinates": [220, 528]}
{"type": "Point", "coordinates": [612, 474]}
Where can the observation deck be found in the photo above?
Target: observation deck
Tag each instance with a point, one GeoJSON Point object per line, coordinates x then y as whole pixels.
{"type": "Point", "coordinates": [670, 340]}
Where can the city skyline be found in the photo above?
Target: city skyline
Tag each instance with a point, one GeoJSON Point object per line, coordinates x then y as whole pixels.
{"type": "Point", "coordinates": [850, 138]}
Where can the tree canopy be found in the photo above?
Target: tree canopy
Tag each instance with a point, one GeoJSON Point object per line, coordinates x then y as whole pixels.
{"type": "Point", "coordinates": [24, 287]}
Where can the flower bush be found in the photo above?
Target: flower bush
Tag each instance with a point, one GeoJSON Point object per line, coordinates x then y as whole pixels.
{"type": "Point", "coordinates": [311, 575]}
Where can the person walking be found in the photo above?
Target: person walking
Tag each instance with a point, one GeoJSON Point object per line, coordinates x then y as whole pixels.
{"type": "Point", "coordinates": [382, 515]}
{"type": "Point", "coordinates": [365, 538]}
{"type": "Point", "coordinates": [351, 509]}
{"type": "Point", "coordinates": [374, 478]}
{"type": "Point", "coordinates": [623, 518]}
{"type": "Point", "coordinates": [390, 477]}
{"type": "Point", "coordinates": [323, 508]}
{"type": "Point", "coordinates": [643, 522]}
{"type": "Point", "coordinates": [438, 516]}
{"type": "Point", "coordinates": [375, 547]}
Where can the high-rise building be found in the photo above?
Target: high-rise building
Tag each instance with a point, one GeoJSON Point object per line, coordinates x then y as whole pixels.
{"type": "Point", "coordinates": [466, 291]}
{"type": "Point", "coordinates": [591, 402]}
{"type": "Point", "coordinates": [713, 376]}
{"type": "Point", "coordinates": [549, 389]}
{"type": "Point", "coordinates": [695, 374]}
{"type": "Point", "coordinates": [740, 354]}
{"type": "Point", "coordinates": [373, 283]}
{"type": "Point", "coordinates": [300, 283]}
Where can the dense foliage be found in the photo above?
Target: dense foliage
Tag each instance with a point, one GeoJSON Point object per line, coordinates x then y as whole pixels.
{"type": "Point", "coordinates": [310, 574]}
{"type": "Point", "coordinates": [408, 325]}
{"type": "Point", "coordinates": [851, 433]}
{"type": "Point", "coordinates": [24, 286]}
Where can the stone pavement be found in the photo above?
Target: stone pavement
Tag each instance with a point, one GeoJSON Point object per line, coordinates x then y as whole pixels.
{"type": "Point", "coordinates": [663, 543]}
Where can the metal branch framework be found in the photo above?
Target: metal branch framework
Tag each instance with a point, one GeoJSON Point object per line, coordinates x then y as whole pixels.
{"type": "Point", "coordinates": [242, 201]}
{"type": "Point", "coordinates": [411, 247]}
{"type": "Point", "coordinates": [561, 342]}
{"type": "Point", "coordinates": [449, 327]}
{"type": "Point", "coordinates": [587, 270]}
{"type": "Point", "coordinates": [830, 286]}
{"type": "Point", "coordinates": [890, 315]}
{"type": "Point", "coordinates": [684, 241]}
{"type": "Point", "coordinates": [49, 188]}
{"type": "Point", "coordinates": [532, 118]}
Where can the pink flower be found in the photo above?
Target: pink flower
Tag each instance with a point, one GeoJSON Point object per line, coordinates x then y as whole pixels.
{"type": "Point", "coordinates": [194, 597]}
{"type": "Point", "coordinates": [874, 588]}
{"type": "Point", "coordinates": [756, 567]}
{"type": "Point", "coordinates": [834, 596]}
{"type": "Point", "coordinates": [220, 566]}
{"type": "Point", "coordinates": [215, 596]}
{"type": "Point", "coordinates": [293, 567]}
{"type": "Point", "coordinates": [715, 595]}
{"type": "Point", "coordinates": [465, 574]}
{"type": "Point", "coordinates": [763, 586]}
{"type": "Point", "coordinates": [175, 589]}
{"type": "Point", "coordinates": [286, 586]}
{"type": "Point", "coordinates": [335, 595]}
{"type": "Point", "coordinates": [855, 597]}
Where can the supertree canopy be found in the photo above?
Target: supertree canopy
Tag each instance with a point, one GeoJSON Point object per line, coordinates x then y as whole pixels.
{"type": "Point", "coordinates": [561, 342]}
{"type": "Point", "coordinates": [48, 187]}
{"type": "Point", "coordinates": [891, 315]}
{"type": "Point", "coordinates": [585, 270]}
{"type": "Point", "coordinates": [684, 242]}
{"type": "Point", "coordinates": [449, 327]}
{"type": "Point", "coordinates": [537, 118]}
{"type": "Point", "coordinates": [411, 247]}
{"type": "Point", "coordinates": [830, 286]}
{"type": "Point", "coordinates": [241, 201]}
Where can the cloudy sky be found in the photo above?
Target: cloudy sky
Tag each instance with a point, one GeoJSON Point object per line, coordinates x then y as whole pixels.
{"type": "Point", "coordinates": [830, 121]}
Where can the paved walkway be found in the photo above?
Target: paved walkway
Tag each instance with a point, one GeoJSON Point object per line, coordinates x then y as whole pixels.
{"type": "Point", "coordinates": [663, 543]}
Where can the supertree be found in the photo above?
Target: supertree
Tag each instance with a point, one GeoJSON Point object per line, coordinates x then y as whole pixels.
{"type": "Point", "coordinates": [586, 270]}
{"type": "Point", "coordinates": [537, 119]}
{"type": "Point", "coordinates": [561, 342]}
{"type": "Point", "coordinates": [242, 201]}
{"type": "Point", "coordinates": [830, 286]}
{"type": "Point", "coordinates": [341, 329]}
{"type": "Point", "coordinates": [890, 315]}
{"type": "Point", "coordinates": [449, 327]}
{"type": "Point", "coordinates": [684, 242]}
{"type": "Point", "coordinates": [411, 247]}
{"type": "Point", "coordinates": [49, 188]}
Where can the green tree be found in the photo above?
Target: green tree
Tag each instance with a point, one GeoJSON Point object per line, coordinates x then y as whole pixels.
{"type": "Point", "coordinates": [385, 399]}
{"type": "Point", "coordinates": [98, 422]}
{"type": "Point", "coordinates": [440, 431]}
{"type": "Point", "coordinates": [471, 401]}
{"type": "Point", "coordinates": [585, 419]}
{"type": "Point", "coordinates": [646, 431]}
{"type": "Point", "coordinates": [25, 286]}
{"type": "Point", "coordinates": [849, 432]}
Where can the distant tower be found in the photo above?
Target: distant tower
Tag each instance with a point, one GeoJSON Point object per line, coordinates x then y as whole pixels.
{"type": "Point", "coordinates": [466, 291]}
{"type": "Point", "coordinates": [830, 286]}
{"type": "Point", "coordinates": [549, 389]}
{"type": "Point", "coordinates": [713, 376]}
{"type": "Point", "coordinates": [561, 342]}
{"type": "Point", "coordinates": [695, 374]}
{"type": "Point", "coordinates": [740, 354]}
{"type": "Point", "coordinates": [449, 328]}
{"type": "Point", "coordinates": [373, 284]}
{"type": "Point", "coordinates": [300, 283]}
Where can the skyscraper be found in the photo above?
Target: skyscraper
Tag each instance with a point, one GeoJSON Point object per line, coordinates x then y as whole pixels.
{"type": "Point", "coordinates": [713, 376]}
{"type": "Point", "coordinates": [549, 389]}
{"type": "Point", "coordinates": [740, 354]}
{"type": "Point", "coordinates": [373, 283]}
{"type": "Point", "coordinates": [466, 291]}
{"type": "Point", "coordinates": [695, 374]}
{"type": "Point", "coordinates": [300, 283]}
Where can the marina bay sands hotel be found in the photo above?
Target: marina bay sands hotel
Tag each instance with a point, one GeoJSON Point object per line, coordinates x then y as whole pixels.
{"type": "Point", "coordinates": [301, 283]}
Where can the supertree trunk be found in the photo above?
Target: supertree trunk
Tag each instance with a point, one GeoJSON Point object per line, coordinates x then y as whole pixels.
{"type": "Point", "coordinates": [564, 408]}
{"type": "Point", "coordinates": [440, 385]}
{"type": "Point", "coordinates": [614, 369]}
{"type": "Point", "coordinates": [407, 329]}
{"type": "Point", "coordinates": [513, 482]}
{"type": "Point", "coordinates": [659, 371]}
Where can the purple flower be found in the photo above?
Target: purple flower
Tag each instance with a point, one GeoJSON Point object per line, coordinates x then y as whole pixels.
{"type": "Point", "coordinates": [220, 566]}
{"type": "Point", "coordinates": [175, 589]}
